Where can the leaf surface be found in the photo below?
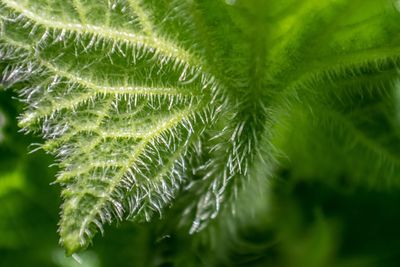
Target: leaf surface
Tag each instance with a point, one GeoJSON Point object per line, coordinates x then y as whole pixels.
{"type": "Point", "coordinates": [142, 100]}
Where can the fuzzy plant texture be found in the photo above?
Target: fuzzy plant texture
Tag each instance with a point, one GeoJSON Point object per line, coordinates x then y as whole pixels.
{"type": "Point", "coordinates": [145, 103]}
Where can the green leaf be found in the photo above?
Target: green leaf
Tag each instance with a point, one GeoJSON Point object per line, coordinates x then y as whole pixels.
{"type": "Point", "coordinates": [113, 131]}
{"type": "Point", "coordinates": [142, 100]}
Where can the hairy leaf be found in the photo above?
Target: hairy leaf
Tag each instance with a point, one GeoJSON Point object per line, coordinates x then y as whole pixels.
{"type": "Point", "coordinates": [142, 100]}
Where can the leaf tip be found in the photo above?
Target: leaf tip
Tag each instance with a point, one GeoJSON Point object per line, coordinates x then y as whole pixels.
{"type": "Point", "coordinates": [71, 243]}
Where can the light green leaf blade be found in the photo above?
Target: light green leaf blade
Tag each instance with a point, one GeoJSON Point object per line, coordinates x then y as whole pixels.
{"type": "Point", "coordinates": [114, 126]}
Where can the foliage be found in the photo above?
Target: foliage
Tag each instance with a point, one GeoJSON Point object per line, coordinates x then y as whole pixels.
{"type": "Point", "coordinates": [203, 113]}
